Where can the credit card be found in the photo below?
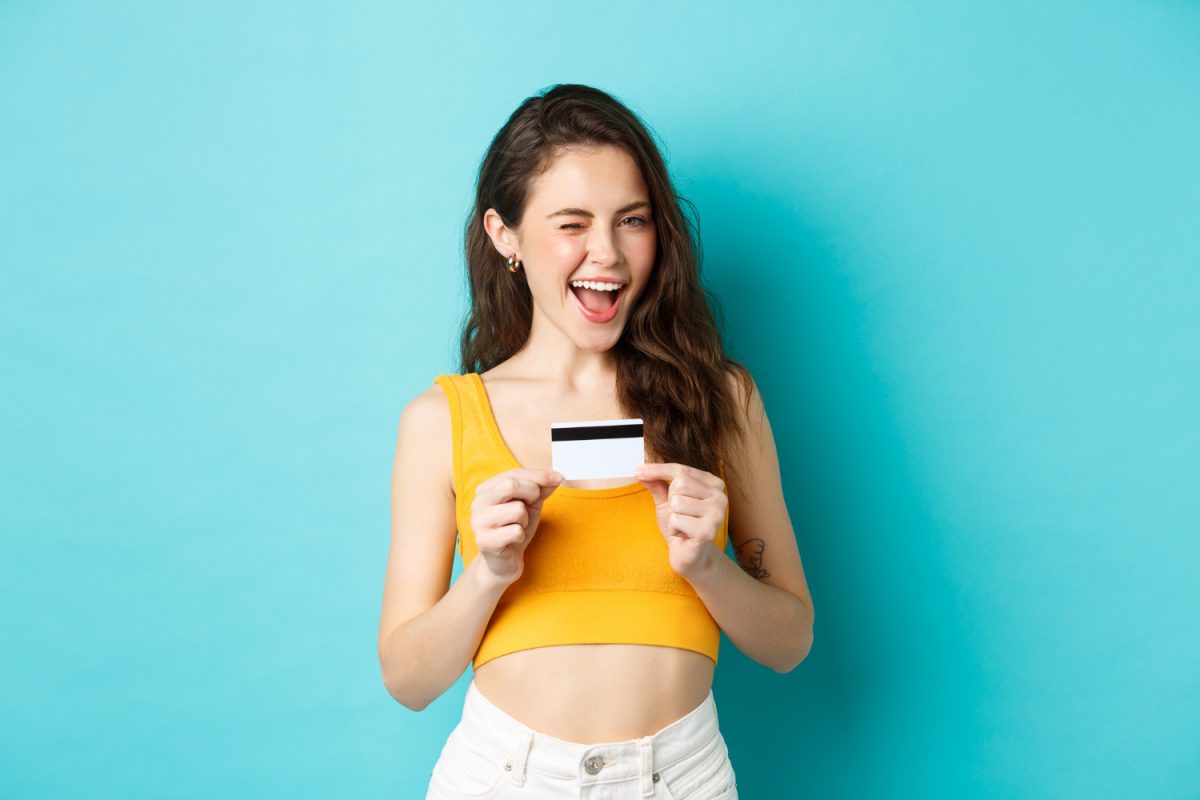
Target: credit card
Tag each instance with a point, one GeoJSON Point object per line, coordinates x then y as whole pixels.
{"type": "Point", "coordinates": [604, 448]}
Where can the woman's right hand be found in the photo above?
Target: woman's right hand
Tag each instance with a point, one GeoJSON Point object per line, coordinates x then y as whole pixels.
{"type": "Point", "coordinates": [505, 515]}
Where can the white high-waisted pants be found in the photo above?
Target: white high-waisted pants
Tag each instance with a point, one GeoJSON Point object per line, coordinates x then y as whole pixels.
{"type": "Point", "coordinates": [492, 755]}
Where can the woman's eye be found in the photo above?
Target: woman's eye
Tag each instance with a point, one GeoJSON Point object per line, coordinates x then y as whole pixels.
{"type": "Point", "coordinates": [635, 222]}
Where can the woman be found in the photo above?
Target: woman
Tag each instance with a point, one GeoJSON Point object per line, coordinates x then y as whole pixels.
{"type": "Point", "coordinates": [591, 609]}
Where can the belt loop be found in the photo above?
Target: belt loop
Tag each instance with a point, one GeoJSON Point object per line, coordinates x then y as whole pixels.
{"type": "Point", "coordinates": [524, 742]}
{"type": "Point", "coordinates": [646, 743]}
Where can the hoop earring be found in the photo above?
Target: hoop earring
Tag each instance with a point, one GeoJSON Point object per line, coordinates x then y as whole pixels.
{"type": "Point", "coordinates": [513, 263]}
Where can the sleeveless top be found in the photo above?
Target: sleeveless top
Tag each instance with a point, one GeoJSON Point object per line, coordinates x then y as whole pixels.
{"type": "Point", "coordinates": [596, 570]}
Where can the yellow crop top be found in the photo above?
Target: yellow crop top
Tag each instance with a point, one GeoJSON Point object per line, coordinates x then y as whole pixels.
{"type": "Point", "coordinates": [596, 571]}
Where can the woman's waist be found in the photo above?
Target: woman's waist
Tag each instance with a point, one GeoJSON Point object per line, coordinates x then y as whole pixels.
{"type": "Point", "coordinates": [592, 693]}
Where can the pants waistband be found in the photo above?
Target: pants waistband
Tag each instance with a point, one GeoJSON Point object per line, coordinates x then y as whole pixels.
{"type": "Point", "coordinates": [607, 761]}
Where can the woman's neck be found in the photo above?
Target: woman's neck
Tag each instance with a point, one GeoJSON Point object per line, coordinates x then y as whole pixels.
{"type": "Point", "coordinates": [555, 360]}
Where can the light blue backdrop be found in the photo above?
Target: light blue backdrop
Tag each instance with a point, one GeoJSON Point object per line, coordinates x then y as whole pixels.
{"type": "Point", "coordinates": [956, 243]}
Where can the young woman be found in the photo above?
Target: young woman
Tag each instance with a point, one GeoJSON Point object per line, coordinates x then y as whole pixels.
{"type": "Point", "coordinates": [591, 610]}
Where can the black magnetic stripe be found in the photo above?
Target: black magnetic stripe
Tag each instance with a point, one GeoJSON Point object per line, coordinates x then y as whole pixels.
{"type": "Point", "coordinates": [629, 431]}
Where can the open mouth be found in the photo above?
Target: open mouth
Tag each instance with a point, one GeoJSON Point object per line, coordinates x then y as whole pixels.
{"type": "Point", "coordinates": [598, 301]}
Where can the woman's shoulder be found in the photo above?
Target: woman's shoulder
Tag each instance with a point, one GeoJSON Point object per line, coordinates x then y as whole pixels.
{"type": "Point", "coordinates": [427, 414]}
{"type": "Point", "coordinates": [743, 389]}
{"type": "Point", "coordinates": [426, 427]}
{"type": "Point", "coordinates": [749, 431]}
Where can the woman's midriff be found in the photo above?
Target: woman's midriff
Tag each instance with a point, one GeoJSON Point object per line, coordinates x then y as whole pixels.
{"type": "Point", "coordinates": [592, 693]}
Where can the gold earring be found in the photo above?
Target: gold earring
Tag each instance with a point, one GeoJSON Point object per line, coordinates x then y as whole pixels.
{"type": "Point", "coordinates": [513, 263]}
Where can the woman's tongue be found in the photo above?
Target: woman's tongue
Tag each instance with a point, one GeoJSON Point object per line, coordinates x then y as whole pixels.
{"type": "Point", "coordinates": [594, 300]}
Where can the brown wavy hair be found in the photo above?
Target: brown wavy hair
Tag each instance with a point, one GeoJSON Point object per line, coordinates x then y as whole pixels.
{"type": "Point", "coordinates": [671, 366]}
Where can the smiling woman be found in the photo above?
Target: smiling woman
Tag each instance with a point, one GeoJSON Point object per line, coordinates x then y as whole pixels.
{"type": "Point", "coordinates": [563, 239]}
{"type": "Point", "coordinates": [598, 300]}
{"type": "Point", "coordinates": [591, 610]}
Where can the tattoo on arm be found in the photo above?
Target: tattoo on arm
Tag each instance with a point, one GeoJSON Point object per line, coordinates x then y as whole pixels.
{"type": "Point", "coordinates": [750, 557]}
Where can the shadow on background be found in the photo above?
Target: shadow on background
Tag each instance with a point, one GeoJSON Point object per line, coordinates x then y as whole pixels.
{"type": "Point", "coordinates": [871, 552]}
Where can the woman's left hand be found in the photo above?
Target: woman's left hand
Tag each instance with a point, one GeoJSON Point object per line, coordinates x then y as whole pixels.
{"type": "Point", "coordinates": [690, 507]}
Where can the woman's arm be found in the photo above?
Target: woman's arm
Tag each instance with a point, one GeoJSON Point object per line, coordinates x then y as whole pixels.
{"type": "Point", "coordinates": [428, 635]}
{"type": "Point", "coordinates": [764, 607]}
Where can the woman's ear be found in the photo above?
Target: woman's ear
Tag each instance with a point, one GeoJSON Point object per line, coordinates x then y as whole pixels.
{"type": "Point", "coordinates": [504, 239]}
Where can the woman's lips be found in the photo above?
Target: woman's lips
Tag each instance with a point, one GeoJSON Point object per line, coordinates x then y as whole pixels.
{"type": "Point", "coordinates": [603, 316]}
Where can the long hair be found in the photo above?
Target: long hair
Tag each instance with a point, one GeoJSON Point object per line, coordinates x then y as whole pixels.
{"type": "Point", "coordinates": [671, 367]}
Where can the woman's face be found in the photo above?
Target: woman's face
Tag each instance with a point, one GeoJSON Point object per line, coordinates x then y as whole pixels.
{"type": "Point", "coordinates": [588, 217]}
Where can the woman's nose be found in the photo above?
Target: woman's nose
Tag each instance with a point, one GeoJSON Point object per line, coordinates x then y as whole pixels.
{"type": "Point", "coordinates": [600, 247]}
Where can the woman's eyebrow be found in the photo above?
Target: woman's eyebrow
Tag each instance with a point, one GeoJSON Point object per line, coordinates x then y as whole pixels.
{"type": "Point", "coordinates": [579, 212]}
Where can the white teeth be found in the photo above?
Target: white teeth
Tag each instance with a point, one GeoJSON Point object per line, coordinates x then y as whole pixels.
{"type": "Point", "coordinates": [597, 285]}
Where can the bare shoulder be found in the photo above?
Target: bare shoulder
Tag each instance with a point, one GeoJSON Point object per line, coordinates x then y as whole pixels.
{"type": "Point", "coordinates": [752, 467]}
{"type": "Point", "coordinates": [421, 557]}
{"type": "Point", "coordinates": [760, 528]}
{"type": "Point", "coordinates": [430, 407]}
{"type": "Point", "coordinates": [753, 430]}
{"type": "Point", "coordinates": [425, 428]}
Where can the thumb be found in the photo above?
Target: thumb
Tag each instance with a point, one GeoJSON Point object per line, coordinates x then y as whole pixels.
{"type": "Point", "coordinates": [658, 490]}
{"type": "Point", "coordinates": [553, 479]}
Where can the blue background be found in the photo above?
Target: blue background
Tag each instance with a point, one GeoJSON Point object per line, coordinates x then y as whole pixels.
{"type": "Point", "coordinates": [956, 243]}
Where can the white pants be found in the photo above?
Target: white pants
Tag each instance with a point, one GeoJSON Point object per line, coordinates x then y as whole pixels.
{"type": "Point", "coordinates": [492, 755]}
